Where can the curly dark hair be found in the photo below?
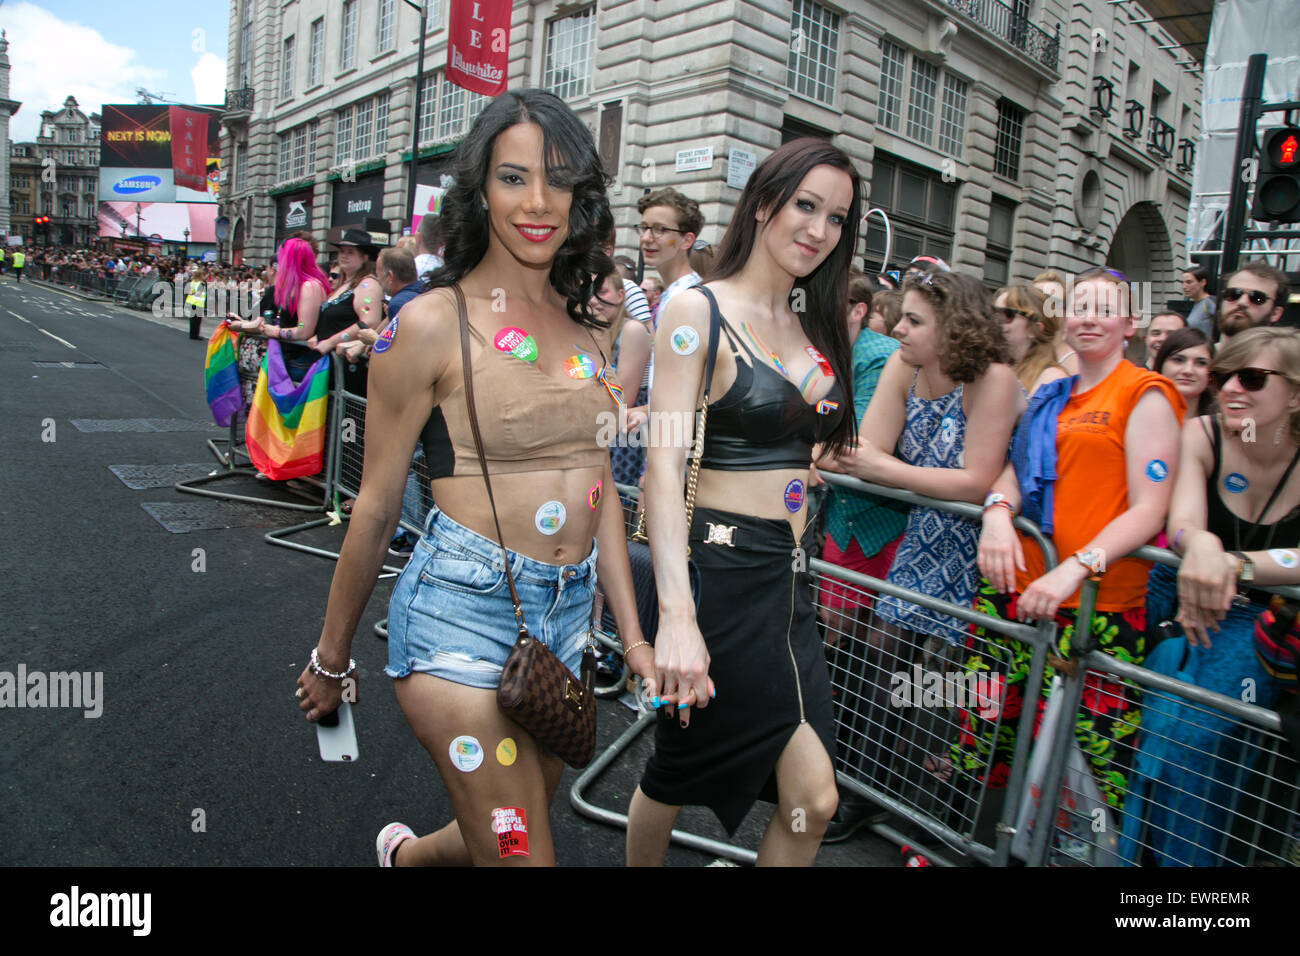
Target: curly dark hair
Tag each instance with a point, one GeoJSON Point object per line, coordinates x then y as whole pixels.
{"type": "Point", "coordinates": [969, 338]}
{"type": "Point", "coordinates": [572, 163]}
{"type": "Point", "coordinates": [1180, 341]}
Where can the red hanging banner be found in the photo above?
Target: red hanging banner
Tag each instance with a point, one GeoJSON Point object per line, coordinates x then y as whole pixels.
{"type": "Point", "coordinates": [189, 148]}
{"type": "Point", "coordinates": [478, 45]}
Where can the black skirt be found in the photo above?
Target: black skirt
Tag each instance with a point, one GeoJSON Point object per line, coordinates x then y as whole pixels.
{"type": "Point", "coordinates": [767, 664]}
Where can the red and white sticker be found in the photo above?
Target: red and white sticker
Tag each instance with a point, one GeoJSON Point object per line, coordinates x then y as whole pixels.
{"type": "Point", "coordinates": [820, 359]}
{"type": "Point", "coordinates": [511, 827]}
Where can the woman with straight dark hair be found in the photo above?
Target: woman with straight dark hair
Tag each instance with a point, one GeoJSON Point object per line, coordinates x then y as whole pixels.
{"type": "Point", "coordinates": [1184, 358]}
{"type": "Point", "coordinates": [782, 384]}
{"type": "Point", "coordinates": [525, 254]}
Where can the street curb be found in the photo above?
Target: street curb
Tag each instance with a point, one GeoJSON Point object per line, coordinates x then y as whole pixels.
{"type": "Point", "coordinates": [180, 325]}
{"type": "Point", "coordinates": [57, 287]}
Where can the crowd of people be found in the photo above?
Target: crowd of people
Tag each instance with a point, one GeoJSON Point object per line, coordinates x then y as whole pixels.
{"type": "Point", "coordinates": [1022, 401]}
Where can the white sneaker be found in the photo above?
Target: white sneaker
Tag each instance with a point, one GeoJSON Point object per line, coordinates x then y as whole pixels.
{"type": "Point", "coordinates": [388, 840]}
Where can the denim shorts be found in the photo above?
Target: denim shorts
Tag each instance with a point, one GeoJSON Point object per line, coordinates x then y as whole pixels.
{"type": "Point", "coordinates": [451, 614]}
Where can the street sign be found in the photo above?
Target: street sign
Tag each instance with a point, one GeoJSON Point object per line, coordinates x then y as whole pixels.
{"type": "Point", "coordinates": [740, 163]}
{"type": "Point", "coordinates": [689, 160]}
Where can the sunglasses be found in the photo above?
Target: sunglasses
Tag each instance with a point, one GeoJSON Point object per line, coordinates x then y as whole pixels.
{"type": "Point", "coordinates": [1009, 313]}
{"type": "Point", "coordinates": [1254, 295]}
{"type": "Point", "coordinates": [1252, 379]}
{"type": "Point", "coordinates": [334, 275]}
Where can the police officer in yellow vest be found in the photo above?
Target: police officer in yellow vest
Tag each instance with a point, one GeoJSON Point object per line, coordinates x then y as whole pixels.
{"type": "Point", "coordinates": [2, 260]}
{"type": "Point", "coordinates": [195, 298]}
{"type": "Point", "coordinates": [20, 260]}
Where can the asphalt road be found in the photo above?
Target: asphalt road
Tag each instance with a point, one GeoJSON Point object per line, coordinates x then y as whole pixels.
{"type": "Point", "coordinates": [199, 636]}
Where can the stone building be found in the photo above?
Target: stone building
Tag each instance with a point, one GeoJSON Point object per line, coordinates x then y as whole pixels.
{"type": "Point", "coordinates": [1006, 138]}
{"type": "Point", "coordinates": [8, 108]}
{"type": "Point", "coordinates": [57, 176]}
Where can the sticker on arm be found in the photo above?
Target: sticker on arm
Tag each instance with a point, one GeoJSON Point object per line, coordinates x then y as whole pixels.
{"type": "Point", "coordinates": [1157, 470]}
{"type": "Point", "coordinates": [386, 337]}
{"type": "Point", "coordinates": [685, 340]}
{"type": "Point", "coordinates": [510, 824]}
{"type": "Point", "coordinates": [1284, 557]}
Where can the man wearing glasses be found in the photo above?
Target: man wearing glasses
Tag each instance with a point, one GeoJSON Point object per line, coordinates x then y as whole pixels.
{"type": "Point", "coordinates": [1254, 295]}
{"type": "Point", "coordinates": [668, 227]}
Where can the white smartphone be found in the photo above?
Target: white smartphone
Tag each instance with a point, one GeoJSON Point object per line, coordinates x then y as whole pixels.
{"type": "Point", "coordinates": [336, 735]}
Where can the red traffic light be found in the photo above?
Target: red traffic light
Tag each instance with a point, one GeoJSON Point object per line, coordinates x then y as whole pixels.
{"type": "Point", "coordinates": [1286, 153]}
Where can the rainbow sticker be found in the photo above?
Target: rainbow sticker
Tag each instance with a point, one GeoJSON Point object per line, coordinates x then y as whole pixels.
{"type": "Point", "coordinates": [580, 366]}
{"type": "Point", "coordinates": [826, 406]}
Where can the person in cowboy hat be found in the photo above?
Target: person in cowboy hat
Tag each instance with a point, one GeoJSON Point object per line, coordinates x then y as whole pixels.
{"type": "Point", "coordinates": [355, 308]}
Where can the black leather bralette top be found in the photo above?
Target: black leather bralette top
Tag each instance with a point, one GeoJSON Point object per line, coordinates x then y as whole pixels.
{"type": "Point", "coordinates": [762, 423]}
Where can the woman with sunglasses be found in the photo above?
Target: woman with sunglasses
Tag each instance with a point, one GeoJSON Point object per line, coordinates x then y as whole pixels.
{"type": "Point", "coordinates": [1109, 436]}
{"type": "Point", "coordinates": [1184, 358]}
{"type": "Point", "coordinates": [524, 216]}
{"type": "Point", "coordinates": [1235, 517]}
{"type": "Point", "coordinates": [780, 385]}
{"type": "Point", "coordinates": [1031, 334]}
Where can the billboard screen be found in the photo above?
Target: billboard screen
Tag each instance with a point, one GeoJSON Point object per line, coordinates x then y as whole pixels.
{"type": "Point", "coordinates": [168, 220]}
{"type": "Point", "coordinates": [160, 153]}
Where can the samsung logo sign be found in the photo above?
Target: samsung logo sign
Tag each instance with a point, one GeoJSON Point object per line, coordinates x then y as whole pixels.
{"type": "Point", "coordinates": [136, 184]}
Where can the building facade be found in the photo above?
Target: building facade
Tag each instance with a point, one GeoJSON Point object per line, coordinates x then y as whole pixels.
{"type": "Point", "coordinates": [8, 108]}
{"type": "Point", "coordinates": [57, 176]}
{"type": "Point", "coordinates": [1007, 138]}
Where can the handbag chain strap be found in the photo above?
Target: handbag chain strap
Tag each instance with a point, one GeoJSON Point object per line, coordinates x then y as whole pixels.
{"type": "Point", "coordinates": [697, 446]}
{"type": "Point", "coordinates": [482, 459]}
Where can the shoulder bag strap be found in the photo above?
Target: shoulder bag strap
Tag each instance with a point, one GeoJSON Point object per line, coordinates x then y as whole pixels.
{"type": "Point", "coordinates": [697, 446]}
{"type": "Point", "coordinates": [478, 446]}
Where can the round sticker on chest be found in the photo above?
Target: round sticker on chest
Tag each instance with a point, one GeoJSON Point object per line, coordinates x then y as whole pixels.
{"type": "Point", "coordinates": [1236, 483]}
{"type": "Point", "coordinates": [794, 496]}
{"type": "Point", "coordinates": [580, 366]}
{"type": "Point", "coordinates": [550, 517]}
{"type": "Point", "coordinates": [516, 342]}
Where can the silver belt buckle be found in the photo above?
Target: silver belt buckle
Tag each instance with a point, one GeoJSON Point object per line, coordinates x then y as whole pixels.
{"type": "Point", "coordinates": [721, 534]}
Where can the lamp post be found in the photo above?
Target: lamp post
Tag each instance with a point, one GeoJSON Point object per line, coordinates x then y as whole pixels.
{"type": "Point", "coordinates": [138, 209]}
{"type": "Point", "coordinates": [415, 115]}
{"type": "Point", "coordinates": [187, 241]}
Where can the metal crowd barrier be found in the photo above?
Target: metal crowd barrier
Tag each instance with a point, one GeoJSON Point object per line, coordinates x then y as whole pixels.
{"type": "Point", "coordinates": [1211, 781]}
{"type": "Point", "coordinates": [234, 457]}
{"type": "Point", "coordinates": [896, 755]}
{"type": "Point", "coordinates": [346, 456]}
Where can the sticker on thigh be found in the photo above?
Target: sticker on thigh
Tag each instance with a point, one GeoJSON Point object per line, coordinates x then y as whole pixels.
{"type": "Point", "coordinates": [510, 824]}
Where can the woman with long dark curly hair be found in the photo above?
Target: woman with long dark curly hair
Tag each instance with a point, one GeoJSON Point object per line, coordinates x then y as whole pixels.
{"type": "Point", "coordinates": [524, 249]}
{"type": "Point", "coordinates": [781, 384]}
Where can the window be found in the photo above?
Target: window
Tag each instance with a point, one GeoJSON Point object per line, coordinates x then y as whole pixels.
{"type": "Point", "coordinates": [381, 123]}
{"type": "Point", "coordinates": [24, 207]}
{"type": "Point", "coordinates": [285, 158]}
{"type": "Point", "coordinates": [457, 110]}
{"type": "Point", "coordinates": [316, 52]}
{"type": "Point", "coordinates": [299, 152]}
{"type": "Point", "coordinates": [311, 144]}
{"type": "Point", "coordinates": [246, 47]}
{"type": "Point", "coordinates": [891, 84]}
{"type": "Point", "coordinates": [348, 43]}
{"type": "Point", "coordinates": [241, 166]}
{"type": "Point", "coordinates": [428, 107]}
{"type": "Point", "coordinates": [1006, 154]}
{"type": "Point", "coordinates": [386, 18]}
{"type": "Point", "coordinates": [343, 137]}
{"type": "Point", "coordinates": [997, 252]}
{"type": "Point", "coordinates": [920, 109]}
{"type": "Point", "coordinates": [814, 40]}
{"type": "Point", "coordinates": [286, 69]}
{"type": "Point", "coordinates": [568, 55]}
{"type": "Point", "coordinates": [295, 157]}
{"type": "Point", "coordinates": [921, 208]}
{"type": "Point", "coordinates": [364, 118]}
{"type": "Point", "coordinates": [70, 157]}
{"type": "Point", "coordinates": [952, 122]}
{"type": "Point", "coordinates": [933, 98]}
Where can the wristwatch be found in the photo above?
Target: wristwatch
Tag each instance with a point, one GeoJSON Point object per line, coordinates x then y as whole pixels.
{"type": "Point", "coordinates": [996, 499]}
{"type": "Point", "coordinates": [1094, 559]}
{"type": "Point", "coordinates": [1246, 571]}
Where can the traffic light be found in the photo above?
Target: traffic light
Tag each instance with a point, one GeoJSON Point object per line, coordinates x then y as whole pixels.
{"type": "Point", "coordinates": [1277, 185]}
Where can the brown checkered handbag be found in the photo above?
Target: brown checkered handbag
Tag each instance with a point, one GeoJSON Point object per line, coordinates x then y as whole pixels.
{"type": "Point", "coordinates": [537, 691]}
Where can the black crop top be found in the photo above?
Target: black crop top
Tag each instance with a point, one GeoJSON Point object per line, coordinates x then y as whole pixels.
{"type": "Point", "coordinates": [1238, 534]}
{"type": "Point", "coordinates": [763, 423]}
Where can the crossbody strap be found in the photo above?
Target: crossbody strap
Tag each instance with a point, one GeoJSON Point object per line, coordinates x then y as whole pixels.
{"type": "Point", "coordinates": [697, 446]}
{"type": "Point", "coordinates": [482, 459]}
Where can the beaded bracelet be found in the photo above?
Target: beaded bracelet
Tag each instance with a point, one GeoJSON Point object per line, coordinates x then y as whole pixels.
{"type": "Point", "coordinates": [320, 671]}
{"type": "Point", "coordinates": [629, 650]}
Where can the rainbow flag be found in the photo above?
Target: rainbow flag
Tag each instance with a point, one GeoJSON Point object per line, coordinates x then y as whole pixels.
{"type": "Point", "coordinates": [286, 422]}
{"type": "Point", "coordinates": [221, 376]}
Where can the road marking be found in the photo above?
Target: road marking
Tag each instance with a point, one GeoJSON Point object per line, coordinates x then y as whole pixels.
{"type": "Point", "coordinates": [20, 318]}
{"type": "Point", "coordinates": [56, 338]}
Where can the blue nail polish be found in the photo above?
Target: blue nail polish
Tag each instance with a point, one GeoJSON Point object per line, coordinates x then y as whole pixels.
{"type": "Point", "coordinates": [682, 705]}
{"type": "Point", "coordinates": [654, 701]}
{"type": "Point", "coordinates": [713, 693]}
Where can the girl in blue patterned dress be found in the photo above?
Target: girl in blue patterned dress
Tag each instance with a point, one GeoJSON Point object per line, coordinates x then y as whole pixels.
{"type": "Point", "coordinates": [947, 402]}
